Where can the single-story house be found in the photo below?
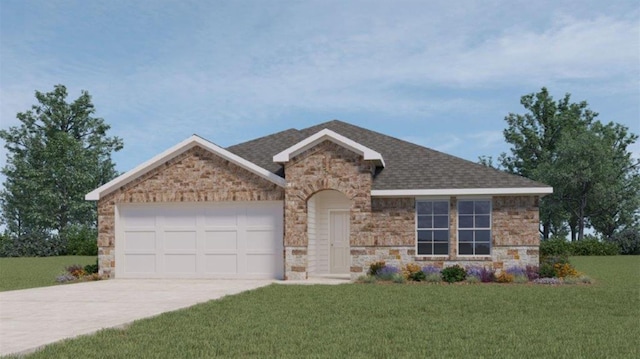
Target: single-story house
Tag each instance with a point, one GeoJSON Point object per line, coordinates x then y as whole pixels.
{"type": "Point", "coordinates": [325, 200]}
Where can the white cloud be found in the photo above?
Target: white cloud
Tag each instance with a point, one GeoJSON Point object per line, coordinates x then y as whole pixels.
{"type": "Point", "coordinates": [160, 73]}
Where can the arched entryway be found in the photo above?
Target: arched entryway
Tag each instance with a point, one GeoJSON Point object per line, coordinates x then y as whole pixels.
{"type": "Point", "coordinates": [328, 229]}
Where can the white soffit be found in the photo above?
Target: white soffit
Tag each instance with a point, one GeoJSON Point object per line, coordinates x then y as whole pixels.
{"type": "Point", "coordinates": [328, 135]}
{"type": "Point", "coordinates": [174, 151]}
{"type": "Point", "coordinates": [462, 192]}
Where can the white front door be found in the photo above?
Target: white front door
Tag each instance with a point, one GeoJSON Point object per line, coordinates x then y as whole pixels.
{"type": "Point", "coordinates": [339, 257]}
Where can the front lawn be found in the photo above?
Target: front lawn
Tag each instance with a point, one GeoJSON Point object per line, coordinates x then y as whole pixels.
{"type": "Point", "coordinates": [395, 320]}
{"type": "Point", "coordinates": [31, 272]}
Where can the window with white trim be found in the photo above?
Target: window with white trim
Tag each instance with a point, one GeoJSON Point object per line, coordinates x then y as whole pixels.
{"type": "Point", "coordinates": [432, 227]}
{"type": "Point", "coordinates": [474, 227]}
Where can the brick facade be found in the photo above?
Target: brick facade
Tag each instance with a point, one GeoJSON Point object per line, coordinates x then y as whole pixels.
{"type": "Point", "coordinates": [384, 228]}
{"type": "Point", "coordinates": [194, 176]}
{"type": "Point", "coordinates": [514, 229]}
{"type": "Point", "coordinates": [323, 167]}
{"type": "Point", "coordinates": [380, 228]}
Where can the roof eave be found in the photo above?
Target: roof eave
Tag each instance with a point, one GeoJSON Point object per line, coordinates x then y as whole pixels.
{"type": "Point", "coordinates": [177, 150]}
{"type": "Point", "coordinates": [522, 191]}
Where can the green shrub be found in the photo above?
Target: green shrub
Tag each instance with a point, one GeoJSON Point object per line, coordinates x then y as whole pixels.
{"type": "Point", "coordinates": [628, 241]}
{"type": "Point", "coordinates": [92, 268]}
{"type": "Point", "coordinates": [433, 277]}
{"type": "Point", "coordinates": [555, 247]}
{"type": "Point", "coordinates": [472, 279]}
{"type": "Point", "coordinates": [418, 276]}
{"type": "Point", "coordinates": [547, 265]}
{"type": "Point", "coordinates": [81, 241]}
{"type": "Point", "coordinates": [453, 274]}
{"type": "Point", "coordinates": [398, 278]}
{"type": "Point", "coordinates": [591, 246]}
{"type": "Point", "coordinates": [32, 244]}
{"type": "Point", "coordinates": [375, 267]}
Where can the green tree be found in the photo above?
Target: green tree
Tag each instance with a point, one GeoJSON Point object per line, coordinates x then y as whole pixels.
{"type": "Point", "coordinates": [58, 153]}
{"type": "Point", "coordinates": [590, 173]}
{"type": "Point", "coordinates": [534, 137]}
{"type": "Point", "coordinates": [589, 165]}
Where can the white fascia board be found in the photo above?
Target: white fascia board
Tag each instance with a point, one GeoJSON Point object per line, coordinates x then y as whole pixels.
{"type": "Point", "coordinates": [174, 151]}
{"type": "Point", "coordinates": [326, 134]}
{"type": "Point", "coordinates": [462, 192]}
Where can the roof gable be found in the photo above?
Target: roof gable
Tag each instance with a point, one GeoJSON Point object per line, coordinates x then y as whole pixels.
{"type": "Point", "coordinates": [175, 151]}
{"type": "Point", "coordinates": [327, 135]}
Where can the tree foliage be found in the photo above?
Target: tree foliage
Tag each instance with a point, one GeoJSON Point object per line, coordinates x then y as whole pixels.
{"type": "Point", "coordinates": [596, 181]}
{"type": "Point", "coordinates": [58, 153]}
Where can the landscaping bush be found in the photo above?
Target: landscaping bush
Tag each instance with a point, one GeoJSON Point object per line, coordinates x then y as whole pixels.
{"type": "Point", "coordinates": [432, 274]}
{"type": "Point", "coordinates": [555, 247]}
{"type": "Point", "coordinates": [547, 265]}
{"type": "Point", "coordinates": [482, 274]}
{"type": "Point", "coordinates": [92, 268]}
{"type": "Point", "coordinates": [628, 241]}
{"type": "Point", "coordinates": [375, 267]}
{"type": "Point", "coordinates": [387, 273]}
{"type": "Point", "coordinates": [504, 277]}
{"type": "Point", "coordinates": [563, 270]}
{"type": "Point", "coordinates": [34, 244]}
{"type": "Point", "coordinates": [453, 274]}
{"type": "Point", "coordinates": [473, 272]}
{"type": "Point", "coordinates": [533, 272]}
{"type": "Point", "coordinates": [81, 241]}
{"type": "Point", "coordinates": [76, 270]}
{"type": "Point", "coordinates": [487, 275]}
{"type": "Point", "coordinates": [411, 270]}
{"type": "Point", "coordinates": [591, 246]}
{"type": "Point", "coordinates": [519, 274]}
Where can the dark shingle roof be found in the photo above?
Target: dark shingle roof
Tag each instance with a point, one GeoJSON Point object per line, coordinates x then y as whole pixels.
{"type": "Point", "coordinates": [408, 166]}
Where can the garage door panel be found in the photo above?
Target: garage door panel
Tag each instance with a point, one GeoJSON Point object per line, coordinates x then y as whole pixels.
{"type": "Point", "coordinates": [260, 241]}
{"type": "Point", "coordinates": [182, 240]}
{"type": "Point", "coordinates": [179, 217]}
{"type": "Point", "coordinates": [224, 216]}
{"type": "Point", "coordinates": [221, 263]}
{"type": "Point", "coordinates": [140, 241]}
{"type": "Point", "coordinates": [261, 264]}
{"type": "Point", "coordinates": [198, 240]}
{"type": "Point", "coordinates": [140, 263]}
{"type": "Point", "coordinates": [221, 241]}
{"type": "Point", "coordinates": [261, 216]}
{"type": "Point", "coordinates": [180, 263]}
{"type": "Point", "coordinates": [137, 217]}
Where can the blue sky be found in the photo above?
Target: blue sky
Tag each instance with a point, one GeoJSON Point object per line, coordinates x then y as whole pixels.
{"type": "Point", "coordinates": [442, 74]}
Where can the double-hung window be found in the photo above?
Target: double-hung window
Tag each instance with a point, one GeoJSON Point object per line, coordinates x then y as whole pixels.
{"type": "Point", "coordinates": [432, 227]}
{"type": "Point", "coordinates": [474, 227]}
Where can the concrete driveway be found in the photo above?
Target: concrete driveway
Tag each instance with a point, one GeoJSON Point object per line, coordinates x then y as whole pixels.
{"type": "Point", "coordinates": [32, 318]}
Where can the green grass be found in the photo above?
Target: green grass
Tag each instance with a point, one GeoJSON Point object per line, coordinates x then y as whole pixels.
{"type": "Point", "coordinates": [31, 272]}
{"type": "Point", "coordinates": [395, 321]}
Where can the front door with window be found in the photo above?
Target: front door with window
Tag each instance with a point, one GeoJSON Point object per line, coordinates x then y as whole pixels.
{"type": "Point", "coordinates": [339, 257]}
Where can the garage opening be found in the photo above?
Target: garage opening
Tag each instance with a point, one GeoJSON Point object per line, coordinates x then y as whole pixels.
{"type": "Point", "coordinates": [196, 240]}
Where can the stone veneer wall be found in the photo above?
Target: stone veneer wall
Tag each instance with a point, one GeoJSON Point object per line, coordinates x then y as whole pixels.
{"type": "Point", "coordinates": [194, 176]}
{"type": "Point", "coordinates": [515, 238]}
{"type": "Point", "coordinates": [323, 167]}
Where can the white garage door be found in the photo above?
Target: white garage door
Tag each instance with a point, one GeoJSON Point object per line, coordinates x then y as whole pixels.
{"type": "Point", "coordinates": [222, 240]}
